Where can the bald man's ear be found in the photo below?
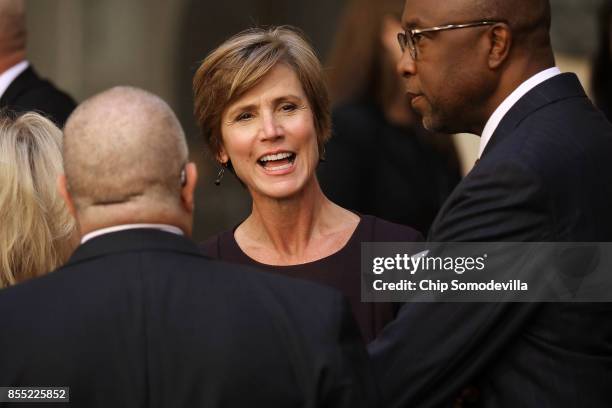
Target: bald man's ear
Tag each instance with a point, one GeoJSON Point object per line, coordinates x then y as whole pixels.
{"type": "Point", "coordinates": [62, 188]}
{"type": "Point", "coordinates": [501, 40]}
{"type": "Point", "coordinates": [188, 190]}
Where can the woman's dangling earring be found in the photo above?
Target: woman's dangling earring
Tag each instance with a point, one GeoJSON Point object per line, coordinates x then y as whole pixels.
{"type": "Point", "coordinates": [220, 174]}
{"type": "Point", "coordinates": [322, 156]}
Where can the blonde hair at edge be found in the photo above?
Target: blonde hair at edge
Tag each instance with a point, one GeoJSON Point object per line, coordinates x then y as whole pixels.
{"type": "Point", "coordinates": [37, 230]}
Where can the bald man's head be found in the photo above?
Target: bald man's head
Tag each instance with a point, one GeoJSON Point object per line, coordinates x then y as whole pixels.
{"type": "Point", "coordinates": [12, 26]}
{"type": "Point", "coordinates": [124, 146]}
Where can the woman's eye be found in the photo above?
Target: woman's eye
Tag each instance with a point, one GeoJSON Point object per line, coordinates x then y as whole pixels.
{"type": "Point", "coordinates": [417, 38]}
{"type": "Point", "coordinates": [244, 116]}
{"type": "Point", "coordinates": [288, 107]}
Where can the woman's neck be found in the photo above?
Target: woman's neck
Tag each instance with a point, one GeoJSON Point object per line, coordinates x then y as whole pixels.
{"type": "Point", "coordinates": [295, 230]}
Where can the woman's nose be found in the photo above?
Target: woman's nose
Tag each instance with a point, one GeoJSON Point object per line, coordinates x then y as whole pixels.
{"type": "Point", "coordinates": [270, 126]}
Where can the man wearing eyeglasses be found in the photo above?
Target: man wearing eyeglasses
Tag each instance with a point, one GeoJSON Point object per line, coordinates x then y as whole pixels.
{"type": "Point", "coordinates": [544, 174]}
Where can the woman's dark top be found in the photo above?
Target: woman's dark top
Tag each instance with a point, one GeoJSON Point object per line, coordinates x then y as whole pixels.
{"type": "Point", "coordinates": [398, 173]}
{"type": "Point", "coordinates": [341, 270]}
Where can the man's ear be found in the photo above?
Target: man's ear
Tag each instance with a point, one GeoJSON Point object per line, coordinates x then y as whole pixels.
{"type": "Point", "coordinates": [500, 37]}
{"type": "Point", "coordinates": [62, 188]}
{"type": "Point", "coordinates": [188, 190]}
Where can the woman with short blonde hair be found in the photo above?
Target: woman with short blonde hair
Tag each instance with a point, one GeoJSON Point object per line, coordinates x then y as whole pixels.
{"type": "Point", "coordinates": [37, 232]}
{"type": "Point", "coordinates": [242, 61]}
{"type": "Point", "coordinates": [262, 104]}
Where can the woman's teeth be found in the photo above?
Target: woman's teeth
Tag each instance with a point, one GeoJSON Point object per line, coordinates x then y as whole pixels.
{"type": "Point", "coordinates": [277, 156]}
{"type": "Point", "coordinates": [278, 161]}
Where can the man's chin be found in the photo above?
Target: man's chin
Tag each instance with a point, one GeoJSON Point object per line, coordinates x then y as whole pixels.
{"type": "Point", "coordinates": [429, 124]}
{"type": "Point", "coordinates": [427, 119]}
{"type": "Point", "coordinates": [436, 126]}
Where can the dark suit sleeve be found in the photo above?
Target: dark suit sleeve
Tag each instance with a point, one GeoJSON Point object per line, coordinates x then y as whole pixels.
{"type": "Point", "coordinates": [28, 92]}
{"type": "Point", "coordinates": [347, 377]}
{"type": "Point", "coordinates": [49, 101]}
{"type": "Point", "coordinates": [432, 351]}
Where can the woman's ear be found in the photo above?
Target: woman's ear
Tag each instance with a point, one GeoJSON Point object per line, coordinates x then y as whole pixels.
{"type": "Point", "coordinates": [222, 156]}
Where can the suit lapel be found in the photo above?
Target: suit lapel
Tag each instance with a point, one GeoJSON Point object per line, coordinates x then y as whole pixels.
{"type": "Point", "coordinates": [559, 87]}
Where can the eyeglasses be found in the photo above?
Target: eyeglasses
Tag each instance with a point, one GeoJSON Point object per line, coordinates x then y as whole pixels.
{"type": "Point", "coordinates": [409, 38]}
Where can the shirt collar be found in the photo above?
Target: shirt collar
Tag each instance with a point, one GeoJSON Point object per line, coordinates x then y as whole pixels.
{"type": "Point", "coordinates": [8, 76]}
{"type": "Point", "coordinates": [102, 231]}
{"type": "Point", "coordinates": [509, 102]}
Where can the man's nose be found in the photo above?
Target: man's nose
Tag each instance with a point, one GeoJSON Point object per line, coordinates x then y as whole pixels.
{"type": "Point", "coordinates": [406, 66]}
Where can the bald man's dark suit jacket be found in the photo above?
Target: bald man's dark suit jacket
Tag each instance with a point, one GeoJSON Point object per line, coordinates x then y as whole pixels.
{"type": "Point", "coordinates": [140, 318]}
{"type": "Point", "coordinates": [546, 175]}
{"type": "Point", "coordinates": [29, 92]}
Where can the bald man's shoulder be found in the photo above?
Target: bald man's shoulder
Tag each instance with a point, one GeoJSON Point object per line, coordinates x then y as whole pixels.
{"type": "Point", "coordinates": [141, 307]}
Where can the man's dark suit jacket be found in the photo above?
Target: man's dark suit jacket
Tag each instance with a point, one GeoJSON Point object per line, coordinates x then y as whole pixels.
{"type": "Point", "coordinates": [546, 175]}
{"type": "Point", "coordinates": [29, 92]}
{"type": "Point", "coordinates": [139, 318]}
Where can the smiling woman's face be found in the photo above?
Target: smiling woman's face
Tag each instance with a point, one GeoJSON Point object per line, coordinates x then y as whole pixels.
{"type": "Point", "coordinates": [269, 135]}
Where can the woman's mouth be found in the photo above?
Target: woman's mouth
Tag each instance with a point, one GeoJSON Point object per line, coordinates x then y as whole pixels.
{"type": "Point", "coordinates": [277, 162]}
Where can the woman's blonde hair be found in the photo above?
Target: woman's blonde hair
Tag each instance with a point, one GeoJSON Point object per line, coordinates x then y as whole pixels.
{"type": "Point", "coordinates": [36, 232]}
{"type": "Point", "coordinates": [238, 64]}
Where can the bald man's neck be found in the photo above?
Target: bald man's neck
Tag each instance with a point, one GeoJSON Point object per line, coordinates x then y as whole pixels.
{"type": "Point", "coordinates": [97, 217]}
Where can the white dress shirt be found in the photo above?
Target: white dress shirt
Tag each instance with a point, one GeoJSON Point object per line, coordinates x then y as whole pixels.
{"type": "Point", "coordinates": [102, 231]}
{"type": "Point", "coordinates": [8, 76]}
{"type": "Point", "coordinates": [509, 102]}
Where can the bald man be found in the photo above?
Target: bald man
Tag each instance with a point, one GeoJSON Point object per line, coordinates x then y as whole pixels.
{"type": "Point", "coordinates": [544, 174]}
{"type": "Point", "coordinates": [138, 318]}
{"type": "Point", "coordinates": [21, 89]}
